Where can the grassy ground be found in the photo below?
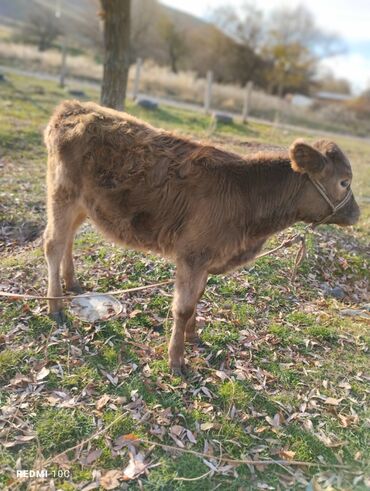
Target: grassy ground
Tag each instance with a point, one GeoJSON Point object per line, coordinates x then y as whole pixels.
{"type": "Point", "coordinates": [282, 374]}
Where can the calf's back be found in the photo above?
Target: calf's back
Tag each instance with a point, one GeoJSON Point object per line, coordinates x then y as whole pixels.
{"type": "Point", "coordinates": [145, 187]}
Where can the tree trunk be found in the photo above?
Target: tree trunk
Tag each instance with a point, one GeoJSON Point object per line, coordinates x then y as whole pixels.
{"type": "Point", "coordinates": [173, 61]}
{"type": "Point", "coordinates": [116, 16]}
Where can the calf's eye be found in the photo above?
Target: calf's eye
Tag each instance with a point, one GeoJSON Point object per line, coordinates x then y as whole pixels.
{"type": "Point", "coordinates": [344, 183]}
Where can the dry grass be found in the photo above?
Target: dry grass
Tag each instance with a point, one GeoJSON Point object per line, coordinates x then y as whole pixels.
{"type": "Point", "coordinates": [28, 57]}
{"type": "Point", "coordinates": [159, 81]}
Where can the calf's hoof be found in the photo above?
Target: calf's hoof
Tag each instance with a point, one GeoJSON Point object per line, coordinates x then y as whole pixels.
{"type": "Point", "coordinates": [178, 371]}
{"type": "Point", "coordinates": [59, 317]}
{"type": "Point", "coordinates": [177, 368]}
{"type": "Point", "coordinates": [195, 340]}
{"type": "Point", "coordinates": [76, 288]}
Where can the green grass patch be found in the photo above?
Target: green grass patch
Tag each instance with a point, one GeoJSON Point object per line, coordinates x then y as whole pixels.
{"type": "Point", "coordinates": [11, 361]}
{"type": "Point", "coordinates": [307, 447]}
{"type": "Point", "coordinates": [234, 393]}
{"type": "Point", "coordinates": [59, 429]}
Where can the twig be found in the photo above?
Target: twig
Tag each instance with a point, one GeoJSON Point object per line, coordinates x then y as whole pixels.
{"type": "Point", "coordinates": [241, 461]}
{"type": "Point", "coordinates": [192, 478]}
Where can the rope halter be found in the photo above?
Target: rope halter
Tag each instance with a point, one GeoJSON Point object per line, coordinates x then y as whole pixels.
{"type": "Point", "coordinates": [334, 208]}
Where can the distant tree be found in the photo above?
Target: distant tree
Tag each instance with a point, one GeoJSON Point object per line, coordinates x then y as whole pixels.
{"type": "Point", "coordinates": [245, 25]}
{"type": "Point", "coordinates": [41, 28]}
{"type": "Point", "coordinates": [361, 105]}
{"type": "Point", "coordinates": [116, 18]}
{"type": "Point", "coordinates": [90, 26]}
{"type": "Point", "coordinates": [294, 45]}
{"type": "Point", "coordinates": [146, 41]}
{"type": "Point", "coordinates": [245, 32]}
{"type": "Point", "coordinates": [328, 82]}
{"type": "Point", "coordinates": [366, 94]}
{"type": "Point", "coordinates": [229, 60]}
{"type": "Point", "coordinates": [288, 40]}
{"type": "Point", "coordinates": [174, 41]}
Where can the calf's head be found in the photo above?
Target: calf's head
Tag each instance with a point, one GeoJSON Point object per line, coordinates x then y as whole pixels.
{"type": "Point", "coordinates": [327, 166]}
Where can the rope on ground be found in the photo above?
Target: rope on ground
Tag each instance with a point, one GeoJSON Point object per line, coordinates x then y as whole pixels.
{"type": "Point", "coordinates": [14, 296]}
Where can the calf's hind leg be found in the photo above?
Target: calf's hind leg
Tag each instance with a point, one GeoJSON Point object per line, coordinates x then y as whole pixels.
{"type": "Point", "coordinates": [61, 217]}
{"type": "Point", "coordinates": [68, 270]}
{"type": "Point", "coordinates": [191, 335]}
{"type": "Point", "coordinates": [189, 283]}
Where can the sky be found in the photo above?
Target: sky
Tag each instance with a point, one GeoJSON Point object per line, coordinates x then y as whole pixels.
{"type": "Point", "coordinates": [350, 19]}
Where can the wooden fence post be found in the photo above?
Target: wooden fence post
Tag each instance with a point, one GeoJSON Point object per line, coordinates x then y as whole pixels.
{"type": "Point", "coordinates": [247, 101]}
{"type": "Point", "coordinates": [280, 108]}
{"type": "Point", "coordinates": [63, 67]}
{"type": "Point", "coordinates": [135, 91]}
{"type": "Point", "coordinates": [208, 92]}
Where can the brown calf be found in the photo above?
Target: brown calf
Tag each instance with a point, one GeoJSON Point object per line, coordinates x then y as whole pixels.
{"type": "Point", "coordinates": [207, 209]}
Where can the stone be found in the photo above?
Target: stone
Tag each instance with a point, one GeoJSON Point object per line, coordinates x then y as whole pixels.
{"type": "Point", "coordinates": [77, 93]}
{"type": "Point", "coordinates": [223, 118]}
{"type": "Point", "coordinates": [337, 292]}
{"type": "Point", "coordinates": [147, 104]}
{"type": "Point", "coordinates": [354, 313]}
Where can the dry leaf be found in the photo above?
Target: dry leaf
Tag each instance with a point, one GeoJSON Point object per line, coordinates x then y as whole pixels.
{"type": "Point", "coordinates": [91, 457]}
{"type": "Point", "coordinates": [287, 454]}
{"type": "Point", "coordinates": [63, 461]}
{"type": "Point", "coordinates": [134, 313]}
{"type": "Point", "coordinates": [261, 429]}
{"type": "Point", "coordinates": [110, 480]}
{"type": "Point", "coordinates": [90, 487]}
{"type": "Point", "coordinates": [136, 467]}
{"type": "Point", "coordinates": [20, 379]}
{"type": "Point", "coordinates": [124, 440]}
{"type": "Point", "coordinates": [308, 426]}
{"type": "Point", "coordinates": [275, 422]}
{"type": "Point", "coordinates": [52, 400]}
{"type": "Point", "coordinates": [177, 429]}
{"type": "Point", "coordinates": [191, 436]}
{"type": "Point", "coordinates": [130, 437]}
{"type": "Point", "coordinates": [206, 426]}
{"type": "Point", "coordinates": [44, 372]}
{"type": "Point", "coordinates": [347, 420]}
{"type": "Point", "coordinates": [332, 401]}
{"type": "Point", "coordinates": [206, 392]}
{"type": "Point", "coordinates": [18, 441]}
{"type": "Point", "coordinates": [344, 385]}
{"type": "Point", "coordinates": [102, 402]}
{"type": "Point", "coordinates": [10, 444]}
{"type": "Point", "coordinates": [222, 375]}
{"type": "Point", "coordinates": [177, 441]}
{"type": "Point", "coordinates": [25, 438]}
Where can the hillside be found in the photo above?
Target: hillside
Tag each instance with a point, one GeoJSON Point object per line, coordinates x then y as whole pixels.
{"type": "Point", "coordinates": [16, 12]}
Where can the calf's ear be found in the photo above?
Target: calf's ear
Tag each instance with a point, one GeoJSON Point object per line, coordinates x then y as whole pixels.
{"type": "Point", "coordinates": [306, 159]}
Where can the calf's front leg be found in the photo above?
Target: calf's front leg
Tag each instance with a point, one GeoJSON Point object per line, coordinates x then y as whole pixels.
{"type": "Point", "coordinates": [189, 283]}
